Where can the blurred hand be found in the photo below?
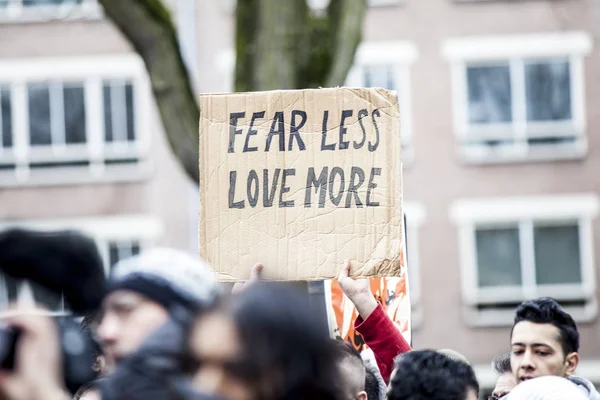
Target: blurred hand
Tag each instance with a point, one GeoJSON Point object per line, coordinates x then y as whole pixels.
{"type": "Point", "coordinates": [37, 373]}
{"type": "Point", "coordinates": [358, 291]}
{"type": "Point", "coordinates": [255, 276]}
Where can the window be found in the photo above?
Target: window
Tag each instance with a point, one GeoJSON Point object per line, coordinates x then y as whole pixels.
{"type": "Point", "coordinates": [386, 65]}
{"type": "Point", "coordinates": [5, 118]}
{"type": "Point", "coordinates": [519, 98]}
{"type": "Point", "coordinates": [43, 10]}
{"type": "Point", "coordinates": [120, 250]}
{"type": "Point", "coordinates": [73, 119]}
{"type": "Point", "coordinates": [520, 248]}
{"type": "Point", "coordinates": [117, 238]}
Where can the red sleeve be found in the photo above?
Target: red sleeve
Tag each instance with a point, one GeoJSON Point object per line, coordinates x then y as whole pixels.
{"type": "Point", "coordinates": [384, 338]}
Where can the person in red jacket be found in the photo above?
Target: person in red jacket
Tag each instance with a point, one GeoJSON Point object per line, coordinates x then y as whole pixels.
{"type": "Point", "coordinates": [376, 328]}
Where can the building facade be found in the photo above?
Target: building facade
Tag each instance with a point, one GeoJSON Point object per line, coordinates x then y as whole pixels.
{"type": "Point", "coordinates": [499, 117]}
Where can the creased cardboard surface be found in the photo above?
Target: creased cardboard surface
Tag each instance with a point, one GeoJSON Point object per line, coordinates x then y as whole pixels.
{"type": "Point", "coordinates": [271, 185]}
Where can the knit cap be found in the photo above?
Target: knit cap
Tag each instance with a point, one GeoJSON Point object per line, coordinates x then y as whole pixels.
{"type": "Point", "coordinates": [168, 277]}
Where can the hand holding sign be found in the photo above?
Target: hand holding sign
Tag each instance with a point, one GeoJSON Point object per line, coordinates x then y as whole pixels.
{"type": "Point", "coordinates": [255, 273]}
{"type": "Point", "coordinates": [358, 291]}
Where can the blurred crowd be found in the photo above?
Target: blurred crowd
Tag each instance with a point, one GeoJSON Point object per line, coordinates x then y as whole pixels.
{"type": "Point", "coordinates": [165, 329]}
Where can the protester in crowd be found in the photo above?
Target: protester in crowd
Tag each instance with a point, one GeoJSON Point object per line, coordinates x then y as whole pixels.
{"type": "Point", "coordinates": [352, 371]}
{"type": "Point", "coordinates": [430, 375]}
{"type": "Point", "coordinates": [506, 380]}
{"type": "Point", "coordinates": [266, 344]}
{"type": "Point", "coordinates": [141, 292]}
{"type": "Point", "coordinates": [376, 328]}
{"type": "Point", "coordinates": [545, 342]}
{"type": "Point", "coordinates": [372, 388]}
{"type": "Point", "coordinates": [547, 388]}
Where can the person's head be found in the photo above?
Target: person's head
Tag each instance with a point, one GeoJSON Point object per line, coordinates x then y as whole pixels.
{"type": "Point", "coordinates": [266, 344]}
{"type": "Point", "coordinates": [547, 388]}
{"type": "Point", "coordinates": [371, 385]}
{"type": "Point", "coordinates": [426, 374]}
{"type": "Point", "coordinates": [506, 380]}
{"type": "Point", "coordinates": [454, 355]}
{"type": "Point", "coordinates": [352, 371]}
{"type": "Point", "coordinates": [544, 340]}
{"type": "Point", "coordinates": [141, 292]}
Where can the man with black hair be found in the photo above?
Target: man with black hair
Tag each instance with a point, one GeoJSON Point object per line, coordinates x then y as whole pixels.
{"type": "Point", "coordinates": [506, 380]}
{"type": "Point", "coordinates": [430, 375]}
{"type": "Point", "coordinates": [352, 371]}
{"type": "Point", "coordinates": [545, 342]}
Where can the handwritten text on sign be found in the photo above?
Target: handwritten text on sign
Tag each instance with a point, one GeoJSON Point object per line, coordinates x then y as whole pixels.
{"type": "Point", "coordinates": [300, 181]}
{"type": "Point", "coordinates": [264, 188]}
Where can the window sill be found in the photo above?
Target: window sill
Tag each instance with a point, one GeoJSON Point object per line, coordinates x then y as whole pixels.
{"type": "Point", "coordinates": [61, 176]}
{"type": "Point", "coordinates": [505, 317]}
{"type": "Point", "coordinates": [384, 3]}
{"type": "Point", "coordinates": [477, 155]}
{"type": "Point", "coordinates": [16, 15]}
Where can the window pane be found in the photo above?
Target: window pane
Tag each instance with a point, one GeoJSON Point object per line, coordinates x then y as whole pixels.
{"type": "Point", "coordinates": [380, 76]}
{"type": "Point", "coordinates": [498, 257]}
{"type": "Point", "coordinates": [6, 116]}
{"type": "Point", "coordinates": [489, 94]}
{"type": "Point", "coordinates": [108, 128]}
{"type": "Point", "coordinates": [557, 258]}
{"type": "Point", "coordinates": [130, 107]}
{"type": "Point", "coordinates": [548, 91]}
{"type": "Point", "coordinates": [39, 114]}
{"type": "Point", "coordinates": [74, 115]}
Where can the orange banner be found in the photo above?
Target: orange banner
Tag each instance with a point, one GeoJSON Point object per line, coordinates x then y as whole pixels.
{"type": "Point", "coordinates": [392, 293]}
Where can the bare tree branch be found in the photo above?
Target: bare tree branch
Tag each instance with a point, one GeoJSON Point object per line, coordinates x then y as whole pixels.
{"type": "Point", "coordinates": [148, 26]}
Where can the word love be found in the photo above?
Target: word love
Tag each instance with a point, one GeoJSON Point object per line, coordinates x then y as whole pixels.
{"type": "Point", "coordinates": [340, 188]}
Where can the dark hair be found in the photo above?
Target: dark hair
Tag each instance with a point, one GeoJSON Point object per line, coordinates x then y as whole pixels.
{"type": "Point", "coordinates": [351, 367]}
{"type": "Point", "coordinates": [501, 364]}
{"type": "Point", "coordinates": [427, 374]}
{"type": "Point", "coordinates": [286, 344]}
{"type": "Point", "coordinates": [546, 310]}
{"type": "Point", "coordinates": [371, 385]}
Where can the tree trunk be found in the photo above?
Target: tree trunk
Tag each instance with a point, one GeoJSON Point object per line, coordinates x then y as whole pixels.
{"type": "Point", "coordinates": [280, 44]}
{"type": "Point", "coordinates": [148, 26]}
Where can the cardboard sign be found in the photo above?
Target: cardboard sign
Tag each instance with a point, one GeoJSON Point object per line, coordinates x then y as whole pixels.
{"type": "Point", "coordinates": [299, 181]}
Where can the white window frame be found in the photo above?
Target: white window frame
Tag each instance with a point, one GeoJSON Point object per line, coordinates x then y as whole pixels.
{"type": "Point", "coordinates": [415, 217]}
{"type": "Point", "coordinates": [92, 71]}
{"type": "Point", "coordinates": [514, 50]}
{"type": "Point", "coordinates": [142, 228]}
{"type": "Point", "coordinates": [470, 214]}
{"type": "Point", "coordinates": [16, 12]}
{"type": "Point", "coordinates": [399, 55]}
